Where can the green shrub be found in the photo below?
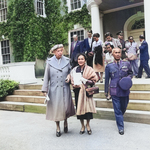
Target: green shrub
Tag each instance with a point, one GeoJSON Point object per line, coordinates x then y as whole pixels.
{"type": "Point", "coordinates": [7, 87]}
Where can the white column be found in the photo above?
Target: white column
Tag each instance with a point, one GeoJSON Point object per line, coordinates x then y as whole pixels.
{"type": "Point", "coordinates": [101, 27]}
{"type": "Point", "coordinates": [147, 21]}
{"type": "Point", "coordinates": [95, 18]}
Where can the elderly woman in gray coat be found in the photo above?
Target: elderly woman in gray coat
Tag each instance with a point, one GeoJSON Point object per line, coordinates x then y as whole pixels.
{"type": "Point", "coordinates": [60, 106]}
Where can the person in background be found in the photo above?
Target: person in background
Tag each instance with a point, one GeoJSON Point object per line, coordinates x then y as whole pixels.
{"type": "Point", "coordinates": [120, 38]}
{"type": "Point", "coordinates": [144, 58]}
{"type": "Point", "coordinates": [98, 60]}
{"type": "Point", "coordinates": [60, 106]}
{"type": "Point", "coordinates": [109, 58]}
{"type": "Point", "coordinates": [88, 48]}
{"type": "Point", "coordinates": [74, 50]}
{"type": "Point", "coordinates": [109, 38]}
{"type": "Point", "coordinates": [131, 49]}
{"type": "Point", "coordinates": [85, 106]}
{"type": "Point", "coordinates": [120, 73]}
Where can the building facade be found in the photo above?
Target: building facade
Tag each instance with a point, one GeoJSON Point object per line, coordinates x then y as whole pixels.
{"type": "Point", "coordinates": [22, 72]}
{"type": "Point", "coordinates": [130, 16]}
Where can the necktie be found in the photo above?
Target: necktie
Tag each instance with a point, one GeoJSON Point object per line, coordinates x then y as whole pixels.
{"type": "Point", "coordinates": [118, 64]}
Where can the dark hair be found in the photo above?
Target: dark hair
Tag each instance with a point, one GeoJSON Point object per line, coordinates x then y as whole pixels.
{"type": "Point", "coordinates": [90, 31]}
{"type": "Point", "coordinates": [98, 55]}
{"type": "Point", "coordinates": [130, 38]}
{"type": "Point", "coordinates": [112, 46]}
{"type": "Point", "coordinates": [108, 34]}
{"type": "Point", "coordinates": [82, 55]}
{"type": "Point", "coordinates": [141, 37]}
{"type": "Point", "coordinates": [96, 35]}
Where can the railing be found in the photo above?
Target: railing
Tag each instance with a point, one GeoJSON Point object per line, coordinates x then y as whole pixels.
{"type": "Point", "coordinates": [23, 72]}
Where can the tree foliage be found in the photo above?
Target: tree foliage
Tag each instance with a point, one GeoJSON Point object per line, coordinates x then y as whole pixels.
{"type": "Point", "coordinates": [32, 36]}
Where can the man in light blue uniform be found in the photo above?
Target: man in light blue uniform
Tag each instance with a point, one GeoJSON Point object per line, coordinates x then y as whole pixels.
{"type": "Point", "coordinates": [119, 92]}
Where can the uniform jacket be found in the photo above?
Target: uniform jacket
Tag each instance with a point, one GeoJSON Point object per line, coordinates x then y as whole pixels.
{"type": "Point", "coordinates": [75, 50]}
{"type": "Point", "coordinates": [115, 73]}
{"type": "Point", "coordinates": [116, 43]}
{"type": "Point", "coordinates": [144, 51]}
{"type": "Point", "coordinates": [60, 105]}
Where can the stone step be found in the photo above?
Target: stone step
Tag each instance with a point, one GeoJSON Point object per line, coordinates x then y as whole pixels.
{"type": "Point", "coordinates": [28, 99]}
{"type": "Point", "coordinates": [30, 86]}
{"type": "Point", "coordinates": [140, 95]}
{"type": "Point", "coordinates": [28, 92]}
{"type": "Point", "coordinates": [100, 103]}
{"type": "Point", "coordinates": [143, 105]}
{"type": "Point", "coordinates": [102, 113]}
{"type": "Point", "coordinates": [135, 87]}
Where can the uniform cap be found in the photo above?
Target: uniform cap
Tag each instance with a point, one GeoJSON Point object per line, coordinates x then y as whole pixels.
{"type": "Point", "coordinates": [125, 83]}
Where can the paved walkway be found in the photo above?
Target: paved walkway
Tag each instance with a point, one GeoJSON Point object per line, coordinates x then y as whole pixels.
{"type": "Point", "coordinates": [29, 131]}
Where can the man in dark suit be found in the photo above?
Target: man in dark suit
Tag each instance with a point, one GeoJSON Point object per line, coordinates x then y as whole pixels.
{"type": "Point", "coordinates": [87, 48]}
{"type": "Point", "coordinates": [74, 50]}
{"type": "Point", "coordinates": [144, 58]}
{"type": "Point", "coordinates": [117, 71]}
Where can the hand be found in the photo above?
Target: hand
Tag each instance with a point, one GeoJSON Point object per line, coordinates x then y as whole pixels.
{"type": "Point", "coordinates": [67, 80]}
{"type": "Point", "coordinates": [45, 94]}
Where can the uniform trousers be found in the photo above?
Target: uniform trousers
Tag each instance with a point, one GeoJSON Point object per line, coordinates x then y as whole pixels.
{"type": "Point", "coordinates": [144, 64]}
{"type": "Point", "coordinates": [120, 104]}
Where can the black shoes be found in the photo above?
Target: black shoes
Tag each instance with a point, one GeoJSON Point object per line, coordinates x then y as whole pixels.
{"type": "Point", "coordinates": [89, 132]}
{"type": "Point", "coordinates": [82, 132]}
{"type": "Point", "coordinates": [58, 133]}
{"type": "Point", "coordinates": [121, 132]}
{"type": "Point", "coordinates": [66, 129]}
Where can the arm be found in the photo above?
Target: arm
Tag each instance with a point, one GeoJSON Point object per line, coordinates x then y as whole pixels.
{"type": "Point", "coordinates": [46, 79]}
{"type": "Point", "coordinates": [143, 46]}
{"type": "Point", "coordinates": [106, 80]}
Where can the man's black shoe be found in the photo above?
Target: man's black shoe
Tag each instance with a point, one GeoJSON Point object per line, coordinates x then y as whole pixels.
{"type": "Point", "coordinates": [121, 132]}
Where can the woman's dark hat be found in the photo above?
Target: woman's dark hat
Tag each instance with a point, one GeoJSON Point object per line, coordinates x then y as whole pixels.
{"type": "Point", "coordinates": [125, 83]}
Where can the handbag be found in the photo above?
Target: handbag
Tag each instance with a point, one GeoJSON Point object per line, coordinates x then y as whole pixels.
{"type": "Point", "coordinates": [91, 88]}
{"type": "Point", "coordinates": [131, 56]}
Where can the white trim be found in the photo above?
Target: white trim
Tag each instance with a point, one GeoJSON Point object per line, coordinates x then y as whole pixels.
{"type": "Point", "coordinates": [35, 7]}
{"type": "Point", "coordinates": [130, 22]}
{"type": "Point", "coordinates": [122, 8]}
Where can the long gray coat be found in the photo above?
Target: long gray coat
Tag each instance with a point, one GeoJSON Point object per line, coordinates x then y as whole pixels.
{"type": "Point", "coordinates": [60, 105]}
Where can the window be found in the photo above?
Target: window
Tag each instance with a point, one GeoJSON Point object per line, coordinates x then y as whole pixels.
{"type": "Point", "coordinates": [138, 24]}
{"type": "Point", "coordinates": [5, 51]}
{"type": "Point", "coordinates": [3, 10]}
{"type": "Point", "coordinates": [40, 7]}
{"type": "Point", "coordinates": [79, 33]}
{"type": "Point", "coordinates": [75, 4]}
